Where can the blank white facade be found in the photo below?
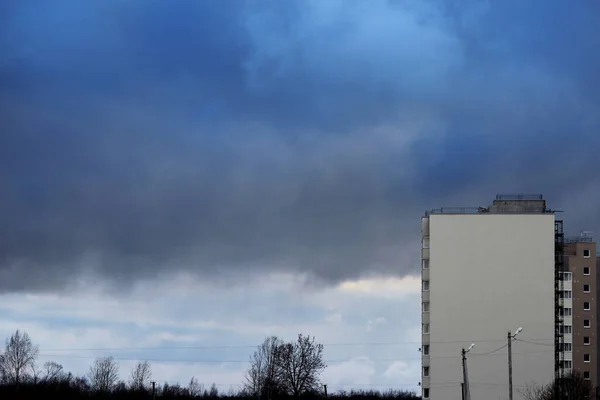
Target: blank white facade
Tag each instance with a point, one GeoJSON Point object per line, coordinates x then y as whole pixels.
{"type": "Point", "coordinates": [483, 275]}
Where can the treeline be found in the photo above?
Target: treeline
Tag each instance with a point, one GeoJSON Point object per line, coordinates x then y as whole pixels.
{"type": "Point", "coordinates": [277, 370]}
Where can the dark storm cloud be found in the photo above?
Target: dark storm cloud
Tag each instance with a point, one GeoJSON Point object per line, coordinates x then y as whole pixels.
{"type": "Point", "coordinates": [229, 138]}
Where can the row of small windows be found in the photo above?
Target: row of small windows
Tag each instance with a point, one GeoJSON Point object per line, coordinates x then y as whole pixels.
{"type": "Point", "coordinates": [587, 358]}
{"type": "Point", "coordinates": [569, 346]}
{"type": "Point", "coordinates": [566, 312]}
{"type": "Point", "coordinates": [565, 347]}
{"type": "Point", "coordinates": [565, 294]}
{"type": "Point", "coordinates": [568, 276]}
{"type": "Point", "coordinates": [568, 329]}
{"type": "Point", "coordinates": [568, 294]}
{"type": "Point", "coordinates": [565, 364]}
{"type": "Point", "coordinates": [568, 364]}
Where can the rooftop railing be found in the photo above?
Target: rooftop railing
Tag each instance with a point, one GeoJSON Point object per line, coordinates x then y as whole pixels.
{"type": "Point", "coordinates": [491, 210]}
{"type": "Point", "coordinates": [579, 239]}
{"type": "Point", "coordinates": [519, 196]}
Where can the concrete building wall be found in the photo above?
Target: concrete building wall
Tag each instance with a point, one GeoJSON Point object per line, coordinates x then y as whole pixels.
{"type": "Point", "coordinates": [487, 274]}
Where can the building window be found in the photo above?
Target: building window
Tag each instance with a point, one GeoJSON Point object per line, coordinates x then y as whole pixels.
{"type": "Point", "coordinates": [566, 294]}
{"type": "Point", "coordinates": [566, 312]}
{"type": "Point", "coordinates": [425, 349]}
{"type": "Point", "coordinates": [566, 364]}
{"type": "Point", "coordinates": [586, 253]}
{"type": "Point", "coordinates": [425, 393]}
{"type": "Point", "coordinates": [425, 306]}
{"type": "Point", "coordinates": [425, 264]}
{"type": "Point", "coordinates": [586, 288]}
{"type": "Point", "coordinates": [586, 375]}
{"type": "Point", "coordinates": [586, 340]}
{"type": "Point", "coordinates": [425, 286]}
{"type": "Point", "coordinates": [586, 323]}
{"type": "Point", "coordinates": [586, 306]}
{"type": "Point", "coordinates": [426, 329]}
{"type": "Point", "coordinates": [426, 372]}
{"type": "Point", "coordinates": [586, 270]}
{"type": "Point", "coordinates": [567, 347]}
{"type": "Point", "coordinates": [586, 358]}
{"type": "Point", "coordinates": [566, 276]}
{"type": "Point", "coordinates": [426, 243]}
{"type": "Point", "coordinates": [566, 329]}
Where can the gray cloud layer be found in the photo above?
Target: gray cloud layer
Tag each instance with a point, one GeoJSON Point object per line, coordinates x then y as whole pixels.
{"type": "Point", "coordinates": [235, 138]}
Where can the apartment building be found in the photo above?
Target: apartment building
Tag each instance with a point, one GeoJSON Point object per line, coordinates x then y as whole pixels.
{"type": "Point", "coordinates": [487, 271]}
{"type": "Point", "coordinates": [581, 288]}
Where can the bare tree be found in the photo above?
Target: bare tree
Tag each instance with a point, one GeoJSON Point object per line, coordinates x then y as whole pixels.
{"type": "Point", "coordinates": [299, 365]}
{"type": "Point", "coordinates": [195, 388]}
{"type": "Point", "coordinates": [533, 392]}
{"type": "Point", "coordinates": [103, 374]}
{"type": "Point", "coordinates": [214, 392]}
{"type": "Point", "coordinates": [52, 371]}
{"type": "Point", "coordinates": [140, 376]}
{"type": "Point", "coordinates": [574, 386]}
{"type": "Point", "coordinates": [18, 360]}
{"type": "Point", "coordinates": [261, 376]}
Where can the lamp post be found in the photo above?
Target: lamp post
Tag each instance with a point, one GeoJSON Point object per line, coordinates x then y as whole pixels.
{"type": "Point", "coordinates": [510, 338]}
{"type": "Point", "coordinates": [466, 393]}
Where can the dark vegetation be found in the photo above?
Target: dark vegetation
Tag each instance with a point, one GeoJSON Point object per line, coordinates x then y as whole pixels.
{"type": "Point", "coordinates": [574, 387]}
{"type": "Point", "coordinates": [277, 370]}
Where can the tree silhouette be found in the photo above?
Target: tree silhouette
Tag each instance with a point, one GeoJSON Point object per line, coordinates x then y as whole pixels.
{"type": "Point", "coordinates": [262, 378]}
{"type": "Point", "coordinates": [140, 376]}
{"type": "Point", "coordinates": [299, 365]}
{"type": "Point", "coordinates": [292, 368]}
{"type": "Point", "coordinates": [103, 374]}
{"type": "Point", "coordinates": [52, 371]}
{"type": "Point", "coordinates": [289, 369]}
{"type": "Point", "coordinates": [18, 361]}
{"type": "Point", "coordinates": [574, 387]}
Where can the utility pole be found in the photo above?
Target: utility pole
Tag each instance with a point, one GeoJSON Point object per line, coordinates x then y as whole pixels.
{"type": "Point", "coordinates": [510, 385]}
{"type": "Point", "coordinates": [325, 388]}
{"type": "Point", "coordinates": [510, 338]}
{"type": "Point", "coordinates": [153, 390]}
{"type": "Point", "coordinates": [466, 392]}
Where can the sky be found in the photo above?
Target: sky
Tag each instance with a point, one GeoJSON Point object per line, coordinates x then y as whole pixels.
{"type": "Point", "coordinates": [180, 179]}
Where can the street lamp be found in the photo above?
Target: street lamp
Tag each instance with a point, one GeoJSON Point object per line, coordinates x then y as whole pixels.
{"type": "Point", "coordinates": [466, 393]}
{"type": "Point", "coordinates": [511, 337]}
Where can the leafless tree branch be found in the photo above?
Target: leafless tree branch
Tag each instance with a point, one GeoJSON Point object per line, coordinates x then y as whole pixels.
{"type": "Point", "coordinates": [18, 361]}
{"type": "Point", "coordinates": [103, 374]}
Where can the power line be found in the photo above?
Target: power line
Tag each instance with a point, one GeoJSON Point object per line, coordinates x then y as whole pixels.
{"type": "Point", "coordinates": [335, 386]}
{"type": "Point", "coordinates": [537, 343]}
{"type": "Point", "coordinates": [490, 352]}
{"type": "Point", "coordinates": [199, 361]}
{"type": "Point", "coordinates": [214, 347]}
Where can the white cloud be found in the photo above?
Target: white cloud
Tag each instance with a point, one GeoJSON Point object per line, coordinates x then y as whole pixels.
{"type": "Point", "coordinates": [353, 373]}
{"type": "Point", "coordinates": [186, 328]}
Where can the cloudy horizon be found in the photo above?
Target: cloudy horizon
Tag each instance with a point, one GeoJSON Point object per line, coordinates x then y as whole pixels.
{"type": "Point", "coordinates": [206, 173]}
